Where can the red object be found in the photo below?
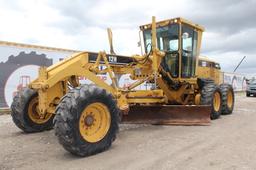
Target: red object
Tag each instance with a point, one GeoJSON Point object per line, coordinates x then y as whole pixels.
{"type": "Point", "coordinates": [24, 82]}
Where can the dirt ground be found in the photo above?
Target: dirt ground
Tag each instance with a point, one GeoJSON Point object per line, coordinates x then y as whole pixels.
{"type": "Point", "coordinates": [228, 143]}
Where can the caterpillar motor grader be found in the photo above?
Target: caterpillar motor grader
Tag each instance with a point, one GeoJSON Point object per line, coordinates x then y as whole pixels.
{"type": "Point", "coordinates": [86, 117]}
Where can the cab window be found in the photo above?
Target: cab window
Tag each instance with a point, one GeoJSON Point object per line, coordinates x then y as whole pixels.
{"type": "Point", "coordinates": [189, 51]}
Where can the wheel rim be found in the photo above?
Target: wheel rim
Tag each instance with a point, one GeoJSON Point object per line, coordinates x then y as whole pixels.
{"type": "Point", "coordinates": [94, 122]}
{"type": "Point", "coordinates": [33, 112]}
{"type": "Point", "coordinates": [216, 101]}
{"type": "Point", "coordinates": [230, 99]}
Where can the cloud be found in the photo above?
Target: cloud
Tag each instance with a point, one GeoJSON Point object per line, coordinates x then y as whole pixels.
{"type": "Point", "coordinates": [229, 16]}
{"type": "Point", "coordinates": [81, 24]}
{"type": "Point", "coordinates": [241, 41]}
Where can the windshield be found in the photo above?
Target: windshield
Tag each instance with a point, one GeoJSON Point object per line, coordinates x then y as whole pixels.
{"type": "Point", "coordinates": [167, 38]}
{"type": "Point", "coordinates": [168, 41]}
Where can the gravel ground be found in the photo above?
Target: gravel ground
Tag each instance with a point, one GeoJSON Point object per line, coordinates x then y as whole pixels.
{"type": "Point", "coordinates": [228, 143]}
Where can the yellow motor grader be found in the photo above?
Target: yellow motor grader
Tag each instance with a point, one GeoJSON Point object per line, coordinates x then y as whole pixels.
{"type": "Point", "coordinates": [86, 117]}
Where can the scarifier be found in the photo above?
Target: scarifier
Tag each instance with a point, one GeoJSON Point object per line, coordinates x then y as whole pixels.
{"type": "Point", "coordinates": [86, 117]}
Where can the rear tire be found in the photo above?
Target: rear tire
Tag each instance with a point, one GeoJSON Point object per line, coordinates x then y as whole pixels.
{"type": "Point", "coordinates": [211, 95]}
{"type": "Point", "coordinates": [204, 81]}
{"type": "Point", "coordinates": [74, 132]}
{"type": "Point", "coordinates": [248, 94]}
{"type": "Point", "coordinates": [25, 116]}
{"type": "Point", "coordinates": [228, 98]}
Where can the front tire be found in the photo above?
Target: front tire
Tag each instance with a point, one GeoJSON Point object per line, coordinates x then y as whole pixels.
{"type": "Point", "coordinates": [86, 120]}
{"type": "Point", "coordinates": [211, 95]}
{"type": "Point", "coordinates": [25, 115]}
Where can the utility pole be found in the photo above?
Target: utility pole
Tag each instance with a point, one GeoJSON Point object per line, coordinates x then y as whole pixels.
{"type": "Point", "coordinates": [239, 64]}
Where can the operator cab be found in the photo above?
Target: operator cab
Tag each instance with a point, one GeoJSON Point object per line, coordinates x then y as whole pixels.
{"type": "Point", "coordinates": [181, 41]}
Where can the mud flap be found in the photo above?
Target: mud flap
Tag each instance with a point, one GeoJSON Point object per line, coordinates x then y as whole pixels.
{"type": "Point", "coordinates": [168, 115]}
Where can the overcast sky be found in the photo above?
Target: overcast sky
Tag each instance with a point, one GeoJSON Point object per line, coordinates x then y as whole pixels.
{"type": "Point", "coordinates": [81, 24]}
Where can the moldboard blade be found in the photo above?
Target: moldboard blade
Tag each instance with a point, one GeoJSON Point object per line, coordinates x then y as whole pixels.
{"type": "Point", "coordinates": [169, 115]}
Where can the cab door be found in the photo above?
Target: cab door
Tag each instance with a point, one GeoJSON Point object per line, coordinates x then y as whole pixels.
{"type": "Point", "coordinates": [188, 51]}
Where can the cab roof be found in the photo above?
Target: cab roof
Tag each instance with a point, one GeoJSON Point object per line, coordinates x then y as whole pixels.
{"type": "Point", "coordinates": [170, 21]}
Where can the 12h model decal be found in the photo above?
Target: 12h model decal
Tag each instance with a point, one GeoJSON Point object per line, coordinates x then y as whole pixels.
{"type": "Point", "coordinates": [112, 59]}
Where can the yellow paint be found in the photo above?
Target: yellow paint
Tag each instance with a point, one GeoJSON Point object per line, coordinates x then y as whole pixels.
{"type": "Point", "coordinates": [33, 112]}
{"type": "Point", "coordinates": [209, 70]}
{"type": "Point", "coordinates": [94, 122]}
{"type": "Point", "coordinates": [52, 81]}
{"type": "Point", "coordinates": [198, 99]}
{"type": "Point", "coordinates": [216, 101]}
{"type": "Point", "coordinates": [230, 99]}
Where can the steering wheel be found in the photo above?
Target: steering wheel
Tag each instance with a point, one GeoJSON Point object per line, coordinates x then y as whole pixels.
{"type": "Point", "coordinates": [186, 52]}
{"type": "Point", "coordinates": [172, 52]}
